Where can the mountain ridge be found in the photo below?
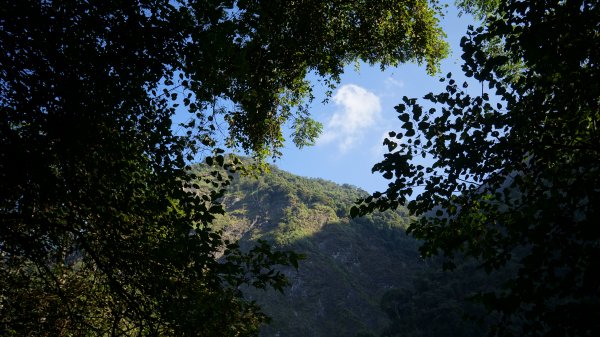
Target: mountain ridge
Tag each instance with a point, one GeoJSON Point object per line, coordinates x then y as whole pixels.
{"type": "Point", "coordinates": [359, 276]}
{"type": "Point", "coordinates": [349, 264]}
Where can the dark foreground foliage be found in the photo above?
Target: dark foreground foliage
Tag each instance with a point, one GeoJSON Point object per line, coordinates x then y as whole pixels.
{"type": "Point", "coordinates": [515, 173]}
{"type": "Point", "coordinates": [98, 235]}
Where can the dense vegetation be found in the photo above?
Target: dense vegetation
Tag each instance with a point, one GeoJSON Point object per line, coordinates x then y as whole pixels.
{"type": "Point", "coordinates": [106, 230]}
{"type": "Point", "coordinates": [97, 236]}
{"type": "Point", "coordinates": [515, 163]}
{"type": "Point", "coordinates": [358, 276]}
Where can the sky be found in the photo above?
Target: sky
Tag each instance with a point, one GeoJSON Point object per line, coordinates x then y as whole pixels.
{"type": "Point", "coordinates": [360, 113]}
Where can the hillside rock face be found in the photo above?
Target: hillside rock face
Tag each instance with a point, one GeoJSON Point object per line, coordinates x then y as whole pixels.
{"type": "Point", "coordinates": [349, 263]}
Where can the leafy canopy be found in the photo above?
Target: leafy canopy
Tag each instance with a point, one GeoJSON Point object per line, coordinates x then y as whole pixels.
{"type": "Point", "coordinates": [511, 171]}
{"type": "Point", "coordinates": [100, 233]}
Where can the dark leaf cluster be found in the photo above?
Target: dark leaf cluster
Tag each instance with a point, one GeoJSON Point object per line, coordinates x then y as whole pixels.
{"type": "Point", "coordinates": [512, 170]}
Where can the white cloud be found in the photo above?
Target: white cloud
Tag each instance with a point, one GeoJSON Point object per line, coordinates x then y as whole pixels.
{"type": "Point", "coordinates": [360, 110]}
{"type": "Point", "coordinates": [392, 88]}
{"type": "Point", "coordinates": [391, 82]}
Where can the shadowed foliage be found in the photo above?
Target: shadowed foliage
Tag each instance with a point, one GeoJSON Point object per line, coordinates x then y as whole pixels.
{"type": "Point", "coordinates": [514, 166]}
{"type": "Point", "coordinates": [100, 231]}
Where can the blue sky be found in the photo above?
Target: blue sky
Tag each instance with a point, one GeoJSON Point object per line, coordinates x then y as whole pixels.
{"type": "Point", "coordinates": [361, 112]}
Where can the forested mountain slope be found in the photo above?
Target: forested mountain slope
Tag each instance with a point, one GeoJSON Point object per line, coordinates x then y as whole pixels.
{"type": "Point", "coordinates": [349, 266]}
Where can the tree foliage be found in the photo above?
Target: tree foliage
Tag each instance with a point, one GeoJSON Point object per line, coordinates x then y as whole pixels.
{"type": "Point", "coordinates": [435, 304]}
{"type": "Point", "coordinates": [348, 265]}
{"type": "Point", "coordinates": [98, 235]}
{"type": "Point", "coordinates": [480, 9]}
{"type": "Point", "coordinates": [511, 171]}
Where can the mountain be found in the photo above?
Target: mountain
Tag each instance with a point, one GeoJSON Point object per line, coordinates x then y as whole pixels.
{"type": "Point", "coordinates": [357, 273]}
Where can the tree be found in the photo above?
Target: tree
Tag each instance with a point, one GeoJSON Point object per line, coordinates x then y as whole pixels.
{"type": "Point", "coordinates": [101, 233]}
{"type": "Point", "coordinates": [434, 305]}
{"type": "Point", "coordinates": [511, 175]}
